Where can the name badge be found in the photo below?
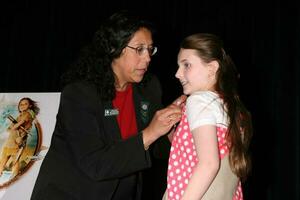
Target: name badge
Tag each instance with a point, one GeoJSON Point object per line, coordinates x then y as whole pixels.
{"type": "Point", "coordinates": [111, 112]}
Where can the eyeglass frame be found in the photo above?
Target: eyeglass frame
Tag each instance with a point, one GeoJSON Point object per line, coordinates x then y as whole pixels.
{"type": "Point", "coordinates": [141, 49]}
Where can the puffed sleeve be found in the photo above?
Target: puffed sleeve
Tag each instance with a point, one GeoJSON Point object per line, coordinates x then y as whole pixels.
{"type": "Point", "coordinates": [200, 110]}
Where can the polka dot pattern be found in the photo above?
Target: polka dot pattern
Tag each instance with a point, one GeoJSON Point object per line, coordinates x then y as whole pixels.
{"type": "Point", "coordinates": [183, 159]}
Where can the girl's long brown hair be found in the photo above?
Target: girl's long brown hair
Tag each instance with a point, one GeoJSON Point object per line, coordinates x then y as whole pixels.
{"type": "Point", "coordinates": [209, 48]}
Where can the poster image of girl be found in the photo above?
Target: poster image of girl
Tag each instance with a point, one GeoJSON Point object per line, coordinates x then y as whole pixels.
{"type": "Point", "coordinates": [20, 138]}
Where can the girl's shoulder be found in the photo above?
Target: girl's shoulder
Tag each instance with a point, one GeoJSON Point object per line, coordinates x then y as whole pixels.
{"type": "Point", "coordinates": [203, 97]}
{"type": "Point", "coordinates": [25, 115]}
{"type": "Point", "coordinates": [205, 107]}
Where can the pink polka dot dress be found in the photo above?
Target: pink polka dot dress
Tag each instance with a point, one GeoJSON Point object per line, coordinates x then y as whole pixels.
{"type": "Point", "coordinates": [183, 157]}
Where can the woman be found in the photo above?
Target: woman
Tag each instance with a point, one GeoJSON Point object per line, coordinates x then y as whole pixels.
{"type": "Point", "coordinates": [104, 127]}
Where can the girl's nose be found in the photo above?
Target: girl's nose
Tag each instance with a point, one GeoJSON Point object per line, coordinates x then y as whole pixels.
{"type": "Point", "coordinates": [178, 74]}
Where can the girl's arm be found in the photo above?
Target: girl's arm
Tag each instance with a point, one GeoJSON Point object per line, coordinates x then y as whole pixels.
{"type": "Point", "coordinates": [21, 120]}
{"type": "Point", "coordinates": [206, 143]}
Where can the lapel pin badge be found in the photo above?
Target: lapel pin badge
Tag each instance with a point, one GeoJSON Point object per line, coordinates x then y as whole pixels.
{"type": "Point", "coordinates": [111, 112]}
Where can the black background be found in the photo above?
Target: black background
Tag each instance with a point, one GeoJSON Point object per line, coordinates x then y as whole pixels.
{"type": "Point", "coordinates": [40, 38]}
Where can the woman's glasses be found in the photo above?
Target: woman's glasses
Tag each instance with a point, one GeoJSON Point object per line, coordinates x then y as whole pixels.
{"type": "Point", "coordinates": [141, 50]}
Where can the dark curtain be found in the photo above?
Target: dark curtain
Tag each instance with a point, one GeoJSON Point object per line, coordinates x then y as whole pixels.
{"type": "Point", "coordinates": [41, 38]}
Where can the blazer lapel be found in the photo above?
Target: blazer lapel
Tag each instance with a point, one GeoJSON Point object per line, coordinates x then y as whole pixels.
{"type": "Point", "coordinates": [142, 106]}
{"type": "Point", "coordinates": [142, 112]}
{"type": "Point", "coordinates": [110, 120]}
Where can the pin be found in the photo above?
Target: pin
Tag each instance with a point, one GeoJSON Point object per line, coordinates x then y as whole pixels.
{"type": "Point", "coordinates": [111, 112]}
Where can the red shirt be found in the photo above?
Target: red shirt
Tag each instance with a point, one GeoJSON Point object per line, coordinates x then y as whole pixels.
{"type": "Point", "coordinates": [126, 118]}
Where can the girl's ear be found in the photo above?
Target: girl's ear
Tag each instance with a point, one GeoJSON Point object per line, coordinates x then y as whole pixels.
{"type": "Point", "coordinates": [213, 67]}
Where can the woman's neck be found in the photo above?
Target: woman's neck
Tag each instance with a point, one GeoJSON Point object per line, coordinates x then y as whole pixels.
{"type": "Point", "coordinates": [121, 87]}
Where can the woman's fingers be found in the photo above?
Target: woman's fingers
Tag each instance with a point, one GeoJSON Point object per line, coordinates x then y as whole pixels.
{"type": "Point", "coordinates": [180, 100]}
{"type": "Point", "coordinates": [170, 115]}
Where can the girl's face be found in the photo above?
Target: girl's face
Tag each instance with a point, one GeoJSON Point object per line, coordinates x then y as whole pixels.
{"type": "Point", "coordinates": [193, 73]}
{"type": "Point", "coordinates": [24, 105]}
{"type": "Point", "coordinates": [130, 67]}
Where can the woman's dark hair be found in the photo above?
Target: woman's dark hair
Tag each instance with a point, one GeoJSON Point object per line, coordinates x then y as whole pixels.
{"type": "Point", "coordinates": [94, 62]}
{"type": "Point", "coordinates": [209, 48]}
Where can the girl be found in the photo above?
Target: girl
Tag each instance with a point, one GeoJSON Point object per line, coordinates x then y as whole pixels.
{"type": "Point", "coordinates": [209, 153]}
{"type": "Point", "coordinates": [18, 133]}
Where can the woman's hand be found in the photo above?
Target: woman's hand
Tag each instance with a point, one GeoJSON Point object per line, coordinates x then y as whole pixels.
{"type": "Point", "coordinates": [180, 101]}
{"type": "Point", "coordinates": [163, 121]}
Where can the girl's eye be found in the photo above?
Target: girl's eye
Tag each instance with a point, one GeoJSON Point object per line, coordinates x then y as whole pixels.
{"type": "Point", "coordinates": [186, 65]}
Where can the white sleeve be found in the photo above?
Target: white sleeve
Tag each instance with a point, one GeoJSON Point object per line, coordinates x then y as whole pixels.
{"type": "Point", "coordinates": [200, 111]}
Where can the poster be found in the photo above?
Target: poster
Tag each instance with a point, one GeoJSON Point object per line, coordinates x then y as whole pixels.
{"type": "Point", "coordinates": [27, 121]}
